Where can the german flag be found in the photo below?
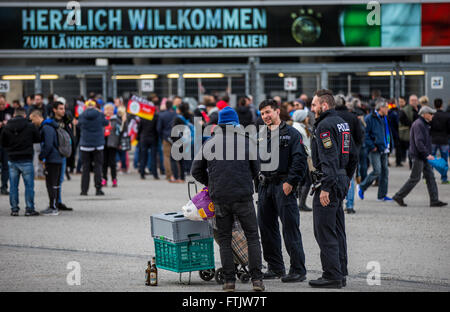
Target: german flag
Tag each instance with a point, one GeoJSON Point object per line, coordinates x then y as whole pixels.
{"type": "Point", "coordinates": [141, 108]}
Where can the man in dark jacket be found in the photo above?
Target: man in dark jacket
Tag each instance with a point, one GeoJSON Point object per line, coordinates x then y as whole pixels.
{"type": "Point", "coordinates": [51, 159]}
{"type": "Point", "coordinates": [420, 151]}
{"type": "Point", "coordinates": [232, 197]}
{"type": "Point", "coordinates": [357, 137]}
{"type": "Point", "coordinates": [378, 142]}
{"type": "Point", "coordinates": [6, 113]}
{"type": "Point", "coordinates": [17, 138]}
{"type": "Point", "coordinates": [64, 122]}
{"type": "Point", "coordinates": [148, 139]}
{"type": "Point", "coordinates": [164, 127]}
{"type": "Point", "coordinates": [92, 142]}
{"type": "Point", "coordinates": [440, 134]}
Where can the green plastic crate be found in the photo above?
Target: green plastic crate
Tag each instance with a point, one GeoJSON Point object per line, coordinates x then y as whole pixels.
{"type": "Point", "coordinates": [188, 256]}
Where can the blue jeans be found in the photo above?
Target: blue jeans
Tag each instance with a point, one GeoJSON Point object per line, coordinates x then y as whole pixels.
{"type": "Point", "coordinates": [61, 179]}
{"type": "Point", "coordinates": [27, 170]}
{"type": "Point", "coordinates": [351, 195]}
{"type": "Point", "coordinates": [362, 166]}
{"type": "Point", "coordinates": [379, 163]}
{"type": "Point", "coordinates": [443, 150]}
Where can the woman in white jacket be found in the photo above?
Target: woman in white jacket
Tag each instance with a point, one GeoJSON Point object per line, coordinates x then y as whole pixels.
{"type": "Point", "coordinates": [301, 120]}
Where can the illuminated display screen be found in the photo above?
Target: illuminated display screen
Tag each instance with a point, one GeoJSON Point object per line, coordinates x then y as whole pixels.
{"type": "Point", "coordinates": [391, 25]}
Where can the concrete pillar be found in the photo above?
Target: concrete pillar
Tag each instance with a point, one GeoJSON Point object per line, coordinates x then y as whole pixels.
{"type": "Point", "coordinates": [37, 84]}
{"type": "Point", "coordinates": [324, 78]}
{"type": "Point", "coordinates": [181, 86]}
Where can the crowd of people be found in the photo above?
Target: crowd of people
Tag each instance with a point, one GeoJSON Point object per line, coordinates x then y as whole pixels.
{"type": "Point", "coordinates": [101, 133]}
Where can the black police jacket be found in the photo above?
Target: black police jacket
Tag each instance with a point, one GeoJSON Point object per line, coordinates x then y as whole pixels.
{"type": "Point", "coordinates": [333, 153]}
{"type": "Point", "coordinates": [292, 154]}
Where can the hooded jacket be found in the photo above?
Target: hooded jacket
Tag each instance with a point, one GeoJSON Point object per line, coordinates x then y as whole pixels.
{"type": "Point", "coordinates": [245, 115]}
{"type": "Point", "coordinates": [91, 123]}
{"type": "Point", "coordinates": [49, 142]}
{"type": "Point", "coordinates": [18, 137]}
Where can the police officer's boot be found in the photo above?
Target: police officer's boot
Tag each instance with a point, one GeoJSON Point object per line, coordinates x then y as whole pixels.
{"type": "Point", "coordinates": [303, 195]}
{"type": "Point", "coordinates": [326, 283]}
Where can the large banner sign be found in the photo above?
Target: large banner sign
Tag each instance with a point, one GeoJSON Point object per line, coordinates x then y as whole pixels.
{"type": "Point", "coordinates": [389, 25]}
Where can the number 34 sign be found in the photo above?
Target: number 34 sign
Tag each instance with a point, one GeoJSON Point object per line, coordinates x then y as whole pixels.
{"type": "Point", "coordinates": [290, 84]}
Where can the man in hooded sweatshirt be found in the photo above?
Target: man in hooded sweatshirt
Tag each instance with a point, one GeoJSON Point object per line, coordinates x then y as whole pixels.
{"type": "Point", "coordinates": [51, 158]}
{"type": "Point", "coordinates": [18, 138]}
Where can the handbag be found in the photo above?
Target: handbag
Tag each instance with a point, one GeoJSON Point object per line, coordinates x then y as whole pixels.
{"type": "Point", "coordinates": [124, 142]}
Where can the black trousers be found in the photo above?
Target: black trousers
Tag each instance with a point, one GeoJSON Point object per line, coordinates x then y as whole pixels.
{"type": "Point", "coordinates": [109, 161]}
{"type": "Point", "coordinates": [52, 174]}
{"type": "Point", "coordinates": [329, 231]}
{"type": "Point", "coordinates": [245, 213]}
{"type": "Point", "coordinates": [5, 168]}
{"type": "Point", "coordinates": [143, 156]}
{"type": "Point", "coordinates": [87, 158]}
{"type": "Point", "coordinates": [274, 204]}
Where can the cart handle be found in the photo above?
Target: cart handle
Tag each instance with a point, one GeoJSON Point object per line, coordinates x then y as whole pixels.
{"type": "Point", "coordinates": [189, 188]}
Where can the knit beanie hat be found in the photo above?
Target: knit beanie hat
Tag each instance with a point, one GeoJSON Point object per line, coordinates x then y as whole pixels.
{"type": "Point", "coordinates": [228, 116]}
{"type": "Point", "coordinates": [300, 115]}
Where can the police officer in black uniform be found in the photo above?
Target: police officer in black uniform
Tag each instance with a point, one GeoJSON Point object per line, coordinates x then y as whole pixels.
{"type": "Point", "coordinates": [276, 197]}
{"type": "Point", "coordinates": [335, 159]}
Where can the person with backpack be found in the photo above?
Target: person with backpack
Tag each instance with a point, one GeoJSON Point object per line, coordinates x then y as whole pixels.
{"type": "Point", "coordinates": [51, 159]}
{"type": "Point", "coordinates": [65, 140]}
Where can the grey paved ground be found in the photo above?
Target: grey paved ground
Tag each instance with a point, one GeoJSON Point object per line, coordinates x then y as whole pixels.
{"type": "Point", "coordinates": [110, 237]}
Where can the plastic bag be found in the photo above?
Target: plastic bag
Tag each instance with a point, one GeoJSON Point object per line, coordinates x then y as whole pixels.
{"type": "Point", "coordinates": [204, 204]}
{"type": "Point", "coordinates": [440, 165]}
{"type": "Point", "coordinates": [190, 211]}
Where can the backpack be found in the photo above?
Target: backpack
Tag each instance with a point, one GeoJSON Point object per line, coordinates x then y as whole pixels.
{"type": "Point", "coordinates": [191, 130]}
{"type": "Point", "coordinates": [64, 142]}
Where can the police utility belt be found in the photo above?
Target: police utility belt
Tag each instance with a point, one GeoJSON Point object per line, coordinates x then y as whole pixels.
{"type": "Point", "coordinates": [275, 178]}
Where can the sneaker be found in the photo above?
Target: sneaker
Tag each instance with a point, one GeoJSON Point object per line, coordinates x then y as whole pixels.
{"type": "Point", "coordinates": [350, 211]}
{"type": "Point", "coordinates": [32, 213]}
{"type": "Point", "coordinates": [228, 287]}
{"type": "Point", "coordinates": [114, 183]}
{"type": "Point", "coordinates": [399, 201]}
{"type": "Point", "coordinates": [445, 182]}
{"type": "Point", "coordinates": [4, 191]}
{"type": "Point", "coordinates": [99, 192]}
{"type": "Point", "coordinates": [142, 176]}
{"type": "Point", "coordinates": [14, 214]}
{"type": "Point", "coordinates": [63, 207]}
{"type": "Point", "coordinates": [83, 194]}
{"type": "Point", "coordinates": [438, 204]}
{"type": "Point", "coordinates": [385, 198]}
{"type": "Point", "coordinates": [50, 212]}
{"type": "Point", "coordinates": [258, 285]}
{"type": "Point", "coordinates": [360, 193]}
{"type": "Point", "coordinates": [104, 182]}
